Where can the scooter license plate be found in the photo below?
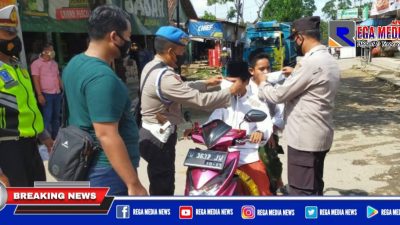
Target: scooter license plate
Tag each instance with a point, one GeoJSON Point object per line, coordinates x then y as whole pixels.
{"type": "Point", "coordinates": [206, 159]}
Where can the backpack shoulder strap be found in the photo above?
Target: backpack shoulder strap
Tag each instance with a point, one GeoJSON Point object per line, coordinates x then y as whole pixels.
{"type": "Point", "coordinates": [158, 87]}
{"type": "Point", "coordinates": [64, 110]}
{"type": "Point", "coordinates": [157, 66]}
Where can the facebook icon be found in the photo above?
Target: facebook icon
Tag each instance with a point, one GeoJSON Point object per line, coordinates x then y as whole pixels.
{"type": "Point", "coordinates": [123, 212]}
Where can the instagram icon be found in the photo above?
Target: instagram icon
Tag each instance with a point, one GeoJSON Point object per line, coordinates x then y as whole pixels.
{"type": "Point", "coordinates": [248, 212]}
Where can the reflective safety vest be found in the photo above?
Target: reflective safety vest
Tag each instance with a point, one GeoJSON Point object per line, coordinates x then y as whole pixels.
{"type": "Point", "coordinates": [19, 112]}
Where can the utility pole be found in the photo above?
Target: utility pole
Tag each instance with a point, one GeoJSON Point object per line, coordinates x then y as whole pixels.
{"type": "Point", "coordinates": [177, 14]}
{"type": "Point", "coordinates": [178, 26]}
{"type": "Point", "coordinates": [359, 7]}
{"type": "Point", "coordinates": [238, 5]}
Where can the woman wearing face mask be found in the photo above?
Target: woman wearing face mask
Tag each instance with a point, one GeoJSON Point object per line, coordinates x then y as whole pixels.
{"type": "Point", "coordinates": [46, 78]}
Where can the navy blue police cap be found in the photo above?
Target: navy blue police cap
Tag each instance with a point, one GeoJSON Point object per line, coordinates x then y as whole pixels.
{"type": "Point", "coordinates": [305, 24]}
{"type": "Point", "coordinates": [173, 34]}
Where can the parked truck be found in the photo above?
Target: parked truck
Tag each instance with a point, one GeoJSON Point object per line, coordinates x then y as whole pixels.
{"type": "Point", "coordinates": [272, 38]}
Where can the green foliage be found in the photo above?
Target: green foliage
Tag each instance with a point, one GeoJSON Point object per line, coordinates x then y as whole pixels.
{"type": "Point", "coordinates": [329, 9]}
{"type": "Point", "coordinates": [344, 4]}
{"type": "Point", "coordinates": [288, 10]}
{"type": "Point", "coordinates": [208, 16]}
{"type": "Point", "coordinates": [232, 12]}
{"type": "Point", "coordinates": [323, 26]}
{"type": "Point", "coordinates": [309, 7]}
{"type": "Point", "coordinates": [332, 6]}
{"type": "Point", "coordinates": [212, 2]}
{"type": "Point", "coordinates": [369, 4]}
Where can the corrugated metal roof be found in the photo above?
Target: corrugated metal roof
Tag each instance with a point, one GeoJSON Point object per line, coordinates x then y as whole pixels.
{"type": "Point", "coordinates": [186, 5]}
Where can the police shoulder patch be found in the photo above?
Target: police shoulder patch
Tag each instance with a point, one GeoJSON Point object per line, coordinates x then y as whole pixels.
{"type": "Point", "coordinates": [5, 76]}
{"type": "Point", "coordinates": [178, 77]}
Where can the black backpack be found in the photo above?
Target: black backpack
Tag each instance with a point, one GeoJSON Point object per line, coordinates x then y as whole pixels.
{"type": "Point", "coordinates": [73, 151]}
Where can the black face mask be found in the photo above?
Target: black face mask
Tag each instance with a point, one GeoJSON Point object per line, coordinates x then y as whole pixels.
{"type": "Point", "coordinates": [123, 49]}
{"type": "Point", "coordinates": [11, 47]}
{"type": "Point", "coordinates": [180, 59]}
{"type": "Point", "coordinates": [299, 47]}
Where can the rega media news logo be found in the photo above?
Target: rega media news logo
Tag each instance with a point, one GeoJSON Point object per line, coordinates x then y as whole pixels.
{"type": "Point", "coordinates": [347, 34]}
{"type": "Point", "coordinates": [342, 33]}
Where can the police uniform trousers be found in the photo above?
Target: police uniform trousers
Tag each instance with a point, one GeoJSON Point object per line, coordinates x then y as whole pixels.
{"type": "Point", "coordinates": [21, 162]}
{"type": "Point", "coordinates": [161, 162]}
{"type": "Point", "coordinates": [305, 172]}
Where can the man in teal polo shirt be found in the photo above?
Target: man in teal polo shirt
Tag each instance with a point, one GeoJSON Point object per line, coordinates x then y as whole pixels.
{"type": "Point", "coordinates": [98, 102]}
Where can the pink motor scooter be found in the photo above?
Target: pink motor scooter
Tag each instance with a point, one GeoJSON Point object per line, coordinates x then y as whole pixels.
{"type": "Point", "coordinates": [212, 171]}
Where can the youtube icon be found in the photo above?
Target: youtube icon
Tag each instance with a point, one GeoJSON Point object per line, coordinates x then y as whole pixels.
{"type": "Point", "coordinates": [185, 212]}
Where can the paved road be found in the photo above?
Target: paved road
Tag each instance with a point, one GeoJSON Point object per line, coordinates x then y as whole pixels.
{"type": "Point", "coordinates": [365, 156]}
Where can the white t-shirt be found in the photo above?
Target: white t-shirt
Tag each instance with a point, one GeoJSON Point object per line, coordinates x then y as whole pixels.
{"type": "Point", "coordinates": [277, 109]}
{"type": "Point", "coordinates": [234, 115]}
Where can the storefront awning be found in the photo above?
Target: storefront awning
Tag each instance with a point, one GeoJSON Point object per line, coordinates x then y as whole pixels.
{"type": "Point", "coordinates": [376, 22]}
{"type": "Point", "coordinates": [70, 16]}
{"type": "Point", "coordinates": [384, 7]}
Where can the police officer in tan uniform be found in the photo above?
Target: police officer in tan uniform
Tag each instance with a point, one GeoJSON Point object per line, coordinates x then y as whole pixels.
{"type": "Point", "coordinates": [309, 94]}
{"type": "Point", "coordinates": [163, 94]}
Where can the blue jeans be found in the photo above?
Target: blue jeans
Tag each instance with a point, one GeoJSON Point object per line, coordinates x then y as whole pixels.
{"type": "Point", "coordinates": [52, 113]}
{"type": "Point", "coordinates": [105, 176]}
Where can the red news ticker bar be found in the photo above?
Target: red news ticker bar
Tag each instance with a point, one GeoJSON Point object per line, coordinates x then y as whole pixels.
{"type": "Point", "coordinates": [56, 196]}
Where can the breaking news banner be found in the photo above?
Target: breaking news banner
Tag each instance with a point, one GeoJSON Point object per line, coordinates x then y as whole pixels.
{"type": "Point", "coordinates": [344, 33]}
{"type": "Point", "coordinates": [77, 202]}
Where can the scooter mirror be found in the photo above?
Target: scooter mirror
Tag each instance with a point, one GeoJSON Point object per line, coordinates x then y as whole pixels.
{"type": "Point", "coordinates": [213, 131]}
{"type": "Point", "coordinates": [255, 115]}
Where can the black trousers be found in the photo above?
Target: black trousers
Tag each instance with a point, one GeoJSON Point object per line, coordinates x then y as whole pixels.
{"type": "Point", "coordinates": [161, 162]}
{"type": "Point", "coordinates": [21, 162]}
{"type": "Point", "coordinates": [273, 164]}
{"type": "Point", "coordinates": [305, 172]}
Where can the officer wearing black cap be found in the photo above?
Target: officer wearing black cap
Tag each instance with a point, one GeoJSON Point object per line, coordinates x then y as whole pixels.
{"type": "Point", "coordinates": [309, 94]}
{"type": "Point", "coordinates": [162, 94]}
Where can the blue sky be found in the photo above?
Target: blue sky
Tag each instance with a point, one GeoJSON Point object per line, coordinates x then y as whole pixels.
{"type": "Point", "coordinates": [249, 11]}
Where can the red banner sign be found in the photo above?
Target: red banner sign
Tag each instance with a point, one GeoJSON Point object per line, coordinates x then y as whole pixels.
{"type": "Point", "coordinates": [72, 13]}
{"type": "Point", "coordinates": [56, 196]}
